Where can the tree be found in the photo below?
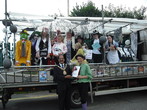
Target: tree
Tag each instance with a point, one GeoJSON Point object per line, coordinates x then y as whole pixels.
{"type": "Point", "coordinates": [123, 12]}
{"type": "Point", "coordinates": [90, 10]}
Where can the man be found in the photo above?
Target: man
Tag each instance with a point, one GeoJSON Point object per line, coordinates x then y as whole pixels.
{"type": "Point", "coordinates": [62, 75]}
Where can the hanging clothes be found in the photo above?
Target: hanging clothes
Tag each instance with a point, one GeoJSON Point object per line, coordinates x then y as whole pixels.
{"type": "Point", "coordinates": [134, 42]}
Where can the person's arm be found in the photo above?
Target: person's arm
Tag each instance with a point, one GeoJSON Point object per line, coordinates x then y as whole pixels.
{"type": "Point", "coordinates": [37, 44]}
{"type": "Point", "coordinates": [49, 48]}
{"type": "Point", "coordinates": [69, 73]}
{"type": "Point", "coordinates": [82, 77]}
{"type": "Point", "coordinates": [53, 48]}
{"type": "Point", "coordinates": [49, 45]}
{"type": "Point", "coordinates": [88, 73]}
{"type": "Point", "coordinates": [107, 48]}
{"type": "Point", "coordinates": [37, 47]}
{"type": "Point", "coordinates": [116, 45]}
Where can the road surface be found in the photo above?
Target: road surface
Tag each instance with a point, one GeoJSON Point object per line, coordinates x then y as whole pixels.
{"type": "Point", "coordinates": [45, 101]}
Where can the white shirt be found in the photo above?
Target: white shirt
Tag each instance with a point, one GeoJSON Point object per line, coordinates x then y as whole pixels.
{"type": "Point", "coordinates": [59, 48]}
{"type": "Point", "coordinates": [61, 65]}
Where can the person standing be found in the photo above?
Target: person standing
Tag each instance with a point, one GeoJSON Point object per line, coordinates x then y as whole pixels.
{"type": "Point", "coordinates": [43, 46]}
{"type": "Point", "coordinates": [111, 47]}
{"type": "Point", "coordinates": [84, 78]}
{"type": "Point", "coordinates": [97, 48]}
{"type": "Point", "coordinates": [69, 40]}
{"type": "Point", "coordinates": [33, 38]}
{"type": "Point", "coordinates": [62, 75]}
{"type": "Point", "coordinates": [59, 48]}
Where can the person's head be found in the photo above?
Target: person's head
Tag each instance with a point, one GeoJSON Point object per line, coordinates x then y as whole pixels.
{"type": "Point", "coordinates": [96, 34]}
{"type": "Point", "coordinates": [80, 39]}
{"type": "Point", "coordinates": [68, 35]}
{"type": "Point", "coordinates": [61, 58]}
{"type": "Point", "coordinates": [24, 35]}
{"type": "Point", "coordinates": [80, 58]}
{"type": "Point", "coordinates": [45, 32]}
{"type": "Point", "coordinates": [110, 38]}
{"type": "Point", "coordinates": [36, 35]}
{"type": "Point", "coordinates": [60, 38]}
{"type": "Point", "coordinates": [78, 46]}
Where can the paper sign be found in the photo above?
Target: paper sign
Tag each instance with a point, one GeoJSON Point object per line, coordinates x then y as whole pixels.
{"type": "Point", "coordinates": [43, 76]}
{"type": "Point", "coordinates": [88, 54]}
{"type": "Point", "coordinates": [76, 71]}
{"type": "Point", "coordinates": [96, 46]}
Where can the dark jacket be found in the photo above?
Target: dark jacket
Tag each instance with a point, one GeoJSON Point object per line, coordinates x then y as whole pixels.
{"type": "Point", "coordinates": [59, 77]}
{"type": "Point", "coordinates": [101, 48]}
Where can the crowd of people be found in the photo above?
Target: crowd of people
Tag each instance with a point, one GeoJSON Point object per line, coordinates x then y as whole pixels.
{"type": "Point", "coordinates": [44, 50]}
{"type": "Point", "coordinates": [40, 49]}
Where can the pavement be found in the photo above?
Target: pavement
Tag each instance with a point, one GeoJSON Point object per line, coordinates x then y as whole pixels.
{"type": "Point", "coordinates": [48, 101]}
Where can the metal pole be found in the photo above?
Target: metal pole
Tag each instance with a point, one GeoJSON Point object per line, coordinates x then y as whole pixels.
{"type": "Point", "coordinates": [6, 36]}
{"type": "Point", "coordinates": [6, 62]}
{"type": "Point", "coordinates": [104, 60]}
{"type": "Point", "coordinates": [14, 48]}
{"type": "Point", "coordinates": [103, 20]}
{"type": "Point", "coordinates": [67, 7]}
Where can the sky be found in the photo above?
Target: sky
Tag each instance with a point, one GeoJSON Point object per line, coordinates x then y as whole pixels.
{"type": "Point", "coordinates": [49, 7]}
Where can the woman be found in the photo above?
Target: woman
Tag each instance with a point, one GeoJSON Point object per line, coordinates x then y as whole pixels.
{"type": "Point", "coordinates": [59, 48]}
{"type": "Point", "coordinates": [80, 40]}
{"type": "Point", "coordinates": [70, 43]}
{"type": "Point", "coordinates": [111, 47]}
{"type": "Point", "coordinates": [96, 52]}
{"type": "Point", "coordinates": [84, 78]}
{"type": "Point", "coordinates": [79, 50]}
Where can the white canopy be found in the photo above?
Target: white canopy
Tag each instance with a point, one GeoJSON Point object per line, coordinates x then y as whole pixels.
{"type": "Point", "coordinates": [78, 24]}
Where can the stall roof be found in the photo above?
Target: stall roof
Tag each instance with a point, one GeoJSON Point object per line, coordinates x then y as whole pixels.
{"type": "Point", "coordinates": [78, 24]}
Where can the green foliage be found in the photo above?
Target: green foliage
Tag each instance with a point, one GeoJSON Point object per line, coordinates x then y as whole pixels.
{"type": "Point", "coordinates": [123, 12]}
{"type": "Point", "coordinates": [90, 10]}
